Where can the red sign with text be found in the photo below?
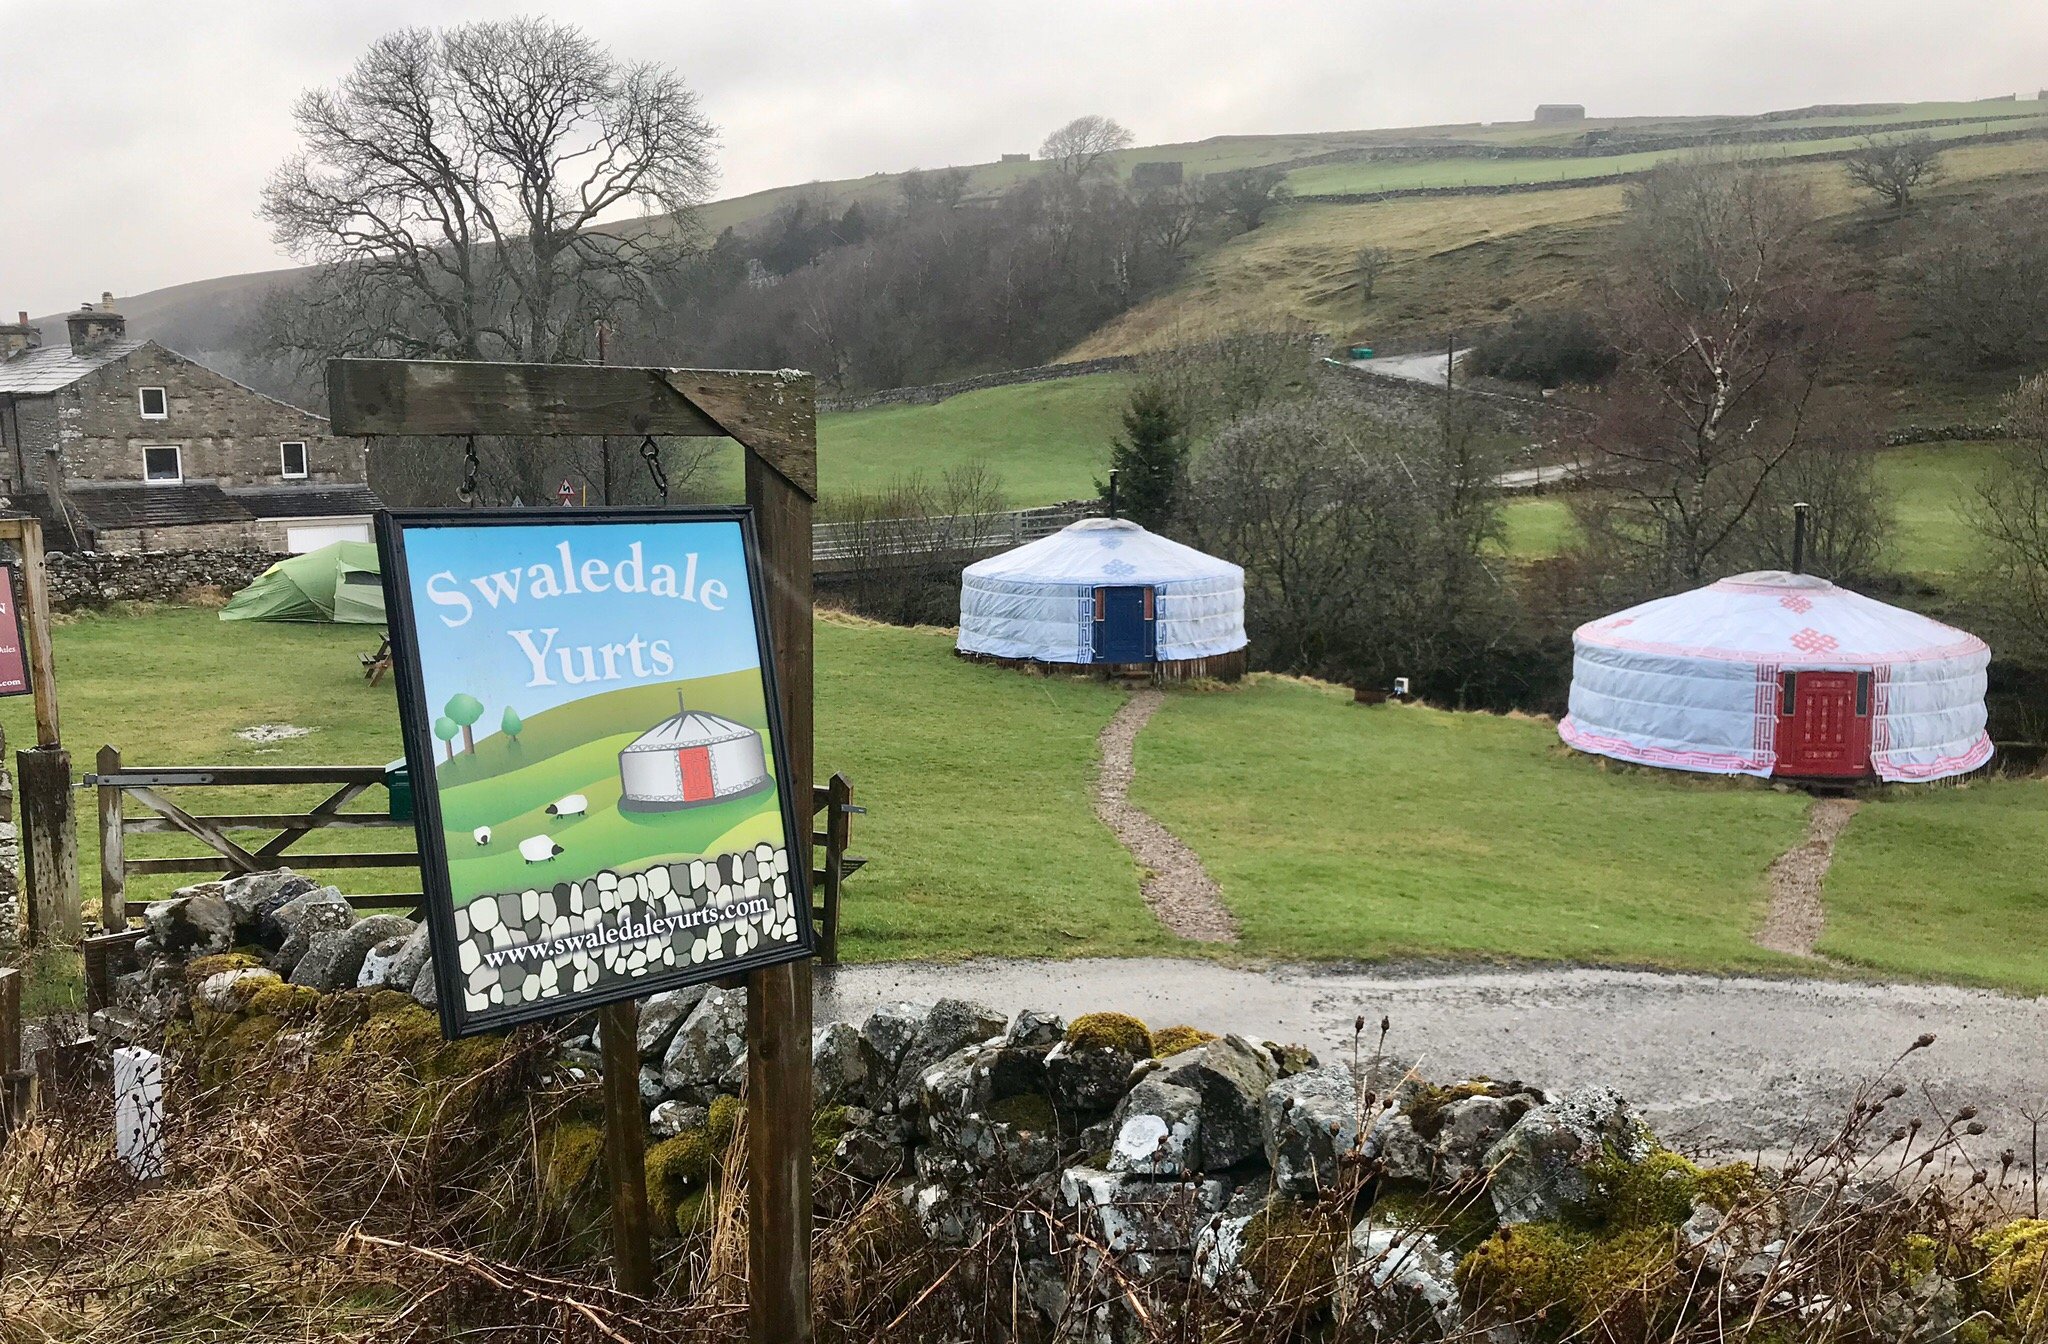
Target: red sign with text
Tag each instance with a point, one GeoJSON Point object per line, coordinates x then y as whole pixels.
{"type": "Point", "coordinates": [13, 655]}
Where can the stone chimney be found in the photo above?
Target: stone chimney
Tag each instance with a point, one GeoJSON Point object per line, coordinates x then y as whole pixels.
{"type": "Point", "coordinates": [18, 336]}
{"type": "Point", "coordinates": [93, 327]}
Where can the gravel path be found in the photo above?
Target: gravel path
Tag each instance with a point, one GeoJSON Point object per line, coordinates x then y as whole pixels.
{"type": "Point", "coordinates": [1796, 917]}
{"type": "Point", "coordinates": [1717, 1064]}
{"type": "Point", "coordinates": [1176, 886]}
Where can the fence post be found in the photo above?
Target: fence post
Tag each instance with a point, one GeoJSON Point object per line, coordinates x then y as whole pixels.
{"type": "Point", "coordinates": [13, 1082]}
{"type": "Point", "coordinates": [113, 860]}
{"type": "Point", "coordinates": [838, 828]}
{"type": "Point", "coordinates": [49, 835]}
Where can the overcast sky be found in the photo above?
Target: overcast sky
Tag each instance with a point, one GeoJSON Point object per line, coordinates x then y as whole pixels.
{"type": "Point", "coordinates": [134, 136]}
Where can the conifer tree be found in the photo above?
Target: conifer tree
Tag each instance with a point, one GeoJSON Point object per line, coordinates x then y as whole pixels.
{"type": "Point", "coordinates": [1149, 459]}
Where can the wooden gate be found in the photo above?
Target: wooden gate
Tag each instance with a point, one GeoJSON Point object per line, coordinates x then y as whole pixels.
{"type": "Point", "coordinates": [231, 857]}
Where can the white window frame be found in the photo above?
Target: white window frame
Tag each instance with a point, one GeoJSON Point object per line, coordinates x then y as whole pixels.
{"type": "Point", "coordinates": [179, 456]}
{"type": "Point", "coordinates": [142, 404]}
{"type": "Point", "coordinates": [284, 465]}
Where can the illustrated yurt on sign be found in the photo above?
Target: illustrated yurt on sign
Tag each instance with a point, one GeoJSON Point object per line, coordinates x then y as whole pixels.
{"type": "Point", "coordinates": [1774, 673]}
{"type": "Point", "coordinates": [1105, 592]}
{"type": "Point", "coordinates": [690, 759]}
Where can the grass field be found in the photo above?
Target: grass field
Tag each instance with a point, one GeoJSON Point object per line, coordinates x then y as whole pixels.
{"type": "Point", "coordinates": [1340, 831]}
{"type": "Point", "coordinates": [1392, 175]}
{"type": "Point", "coordinates": [1335, 831]}
{"type": "Point", "coordinates": [1945, 884]}
{"type": "Point", "coordinates": [1930, 485]}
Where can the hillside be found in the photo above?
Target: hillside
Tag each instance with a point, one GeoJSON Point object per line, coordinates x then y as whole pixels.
{"type": "Point", "coordinates": [1293, 267]}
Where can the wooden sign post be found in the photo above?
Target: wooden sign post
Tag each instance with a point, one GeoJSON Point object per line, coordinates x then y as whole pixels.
{"type": "Point", "coordinates": [773, 417]}
{"type": "Point", "coordinates": [49, 829]}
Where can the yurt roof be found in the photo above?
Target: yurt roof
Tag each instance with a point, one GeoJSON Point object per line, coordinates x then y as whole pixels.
{"type": "Point", "coordinates": [690, 727]}
{"type": "Point", "coordinates": [1771, 616]}
{"type": "Point", "coordinates": [1103, 551]}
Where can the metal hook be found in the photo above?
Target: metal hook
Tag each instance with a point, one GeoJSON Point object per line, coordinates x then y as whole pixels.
{"type": "Point", "coordinates": [650, 453]}
{"type": "Point", "coordinates": [470, 492]}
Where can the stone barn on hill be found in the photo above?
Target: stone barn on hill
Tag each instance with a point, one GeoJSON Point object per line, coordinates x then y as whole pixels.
{"type": "Point", "coordinates": [1559, 112]}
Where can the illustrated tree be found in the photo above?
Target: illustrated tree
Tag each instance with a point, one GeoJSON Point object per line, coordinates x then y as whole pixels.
{"type": "Point", "coordinates": [465, 710]}
{"type": "Point", "coordinates": [511, 723]}
{"type": "Point", "coordinates": [1150, 458]}
{"type": "Point", "coordinates": [445, 728]}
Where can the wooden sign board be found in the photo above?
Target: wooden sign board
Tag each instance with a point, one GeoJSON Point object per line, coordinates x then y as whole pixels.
{"type": "Point", "coordinates": [14, 674]}
{"type": "Point", "coordinates": [599, 769]}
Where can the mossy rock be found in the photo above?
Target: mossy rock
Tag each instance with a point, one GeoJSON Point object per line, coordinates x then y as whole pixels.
{"type": "Point", "coordinates": [724, 1116]}
{"type": "Point", "coordinates": [2013, 1282]}
{"type": "Point", "coordinates": [828, 1127]}
{"type": "Point", "coordinates": [1111, 1031]}
{"type": "Point", "coordinates": [1426, 1109]}
{"type": "Point", "coordinates": [676, 1169]}
{"type": "Point", "coordinates": [571, 1154]}
{"type": "Point", "coordinates": [1292, 1249]}
{"type": "Point", "coordinates": [1557, 1282]}
{"type": "Point", "coordinates": [1292, 1059]}
{"type": "Point", "coordinates": [1459, 1222]}
{"type": "Point", "coordinates": [1027, 1112]}
{"type": "Point", "coordinates": [200, 969]}
{"type": "Point", "coordinates": [1656, 1192]}
{"type": "Point", "coordinates": [1732, 1185]}
{"type": "Point", "coordinates": [694, 1213]}
{"type": "Point", "coordinates": [285, 1001]}
{"type": "Point", "coordinates": [1170, 1041]}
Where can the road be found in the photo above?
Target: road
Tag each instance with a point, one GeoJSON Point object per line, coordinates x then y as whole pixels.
{"type": "Point", "coordinates": [1425, 368]}
{"type": "Point", "coordinates": [1718, 1065]}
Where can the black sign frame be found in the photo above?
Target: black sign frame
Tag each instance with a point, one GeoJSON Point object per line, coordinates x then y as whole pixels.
{"type": "Point", "coordinates": [415, 725]}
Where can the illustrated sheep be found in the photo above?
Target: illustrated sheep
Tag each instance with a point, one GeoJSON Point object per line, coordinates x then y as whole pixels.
{"type": "Point", "coordinates": [575, 805]}
{"type": "Point", "coordinates": [482, 835]}
{"type": "Point", "coordinates": [538, 848]}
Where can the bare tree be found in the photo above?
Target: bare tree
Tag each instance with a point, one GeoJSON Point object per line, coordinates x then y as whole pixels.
{"type": "Point", "coordinates": [1084, 144]}
{"type": "Point", "coordinates": [938, 189]}
{"type": "Point", "coordinates": [1982, 285]}
{"type": "Point", "coordinates": [1892, 168]}
{"type": "Point", "coordinates": [1249, 194]}
{"type": "Point", "coordinates": [1369, 265]}
{"type": "Point", "coordinates": [1728, 327]}
{"type": "Point", "coordinates": [2010, 514]}
{"type": "Point", "coordinates": [1211, 382]}
{"type": "Point", "coordinates": [456, 186]}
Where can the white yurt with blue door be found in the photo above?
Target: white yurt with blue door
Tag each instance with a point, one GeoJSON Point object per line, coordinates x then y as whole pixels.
{"type": "Point", "coordinates": [1105, 592]}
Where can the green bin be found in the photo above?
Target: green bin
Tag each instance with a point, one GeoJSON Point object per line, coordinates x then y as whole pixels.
{"type": "Point", "coordinates": [398, 782]}
{"type": "Point", "coordinates": [1361, 352]}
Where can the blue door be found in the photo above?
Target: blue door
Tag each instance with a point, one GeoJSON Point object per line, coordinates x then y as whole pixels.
{"type": "Point", "coordinates": [1126, 628]}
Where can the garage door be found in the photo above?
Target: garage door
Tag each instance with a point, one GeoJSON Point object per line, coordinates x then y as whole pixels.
{"type": "Point", "coordinates": [312, 536]}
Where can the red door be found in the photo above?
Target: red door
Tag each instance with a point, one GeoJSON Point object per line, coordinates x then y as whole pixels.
{"type": "Point", "coordinates": [696, 770]}
{"type": "Point", "coordinates": [1824, 724]}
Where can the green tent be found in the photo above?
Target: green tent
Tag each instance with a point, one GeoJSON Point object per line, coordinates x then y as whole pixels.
{"type": "Point", "coordinates": [339, 582]}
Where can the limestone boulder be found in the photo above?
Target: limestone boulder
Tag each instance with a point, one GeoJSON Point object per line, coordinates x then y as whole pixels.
{"type": "Point", "coordinates": [1159, 1130]}
{"type": "Point", "coordinates": [229, 991]}
{"type": "Point", "coordinates": [1231, 1076]}
{"type": "Point", "coordinates": [254, 896]}
{"type": "Point", "coordinates": [185, 927]}
{"type": "Point", "coordinates": [395, 963]}
{"type": "Point", "coordinates": [661, 1016]}
{"type": "Point", "coordinates": [1087, 1079]}
{"type": "Point", "coordinates": [1156, 1223]}
{"type": "Point", "coordinates": [294, 921]}
{"type": "Point", "coordinates": [711, 1041]}
{"type": "Point", "coordinates": [1308, 1123]}
{"type": "Point", "coordinates": [334, 957]}
{"type": "Point", "coordinates": [839, 1068]}
{"type": "Point", "coordinates": [1403, 1282]}
{"type": "Point", "coordinates": [1539, 1166]}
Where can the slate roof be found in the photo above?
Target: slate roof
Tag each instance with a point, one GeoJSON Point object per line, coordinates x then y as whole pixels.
{"type": "Point", "coordinates": [307, 501]}
{"type": "Point", "coordinates": [104, 507]}
{"type": "Point", "coordinates": [51, 368]}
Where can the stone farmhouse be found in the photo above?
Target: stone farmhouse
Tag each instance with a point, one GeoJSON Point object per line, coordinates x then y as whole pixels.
{"type": "Point", "coordinates": [120, 444]}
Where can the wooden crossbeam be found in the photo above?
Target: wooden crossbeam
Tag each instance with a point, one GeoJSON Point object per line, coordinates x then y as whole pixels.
{"type": "Point", "coordinates": [192, 826]}
{"type": "Point", "coordinates": [290, 835]}
{"type": "Point", "coordinates": [773, 414]}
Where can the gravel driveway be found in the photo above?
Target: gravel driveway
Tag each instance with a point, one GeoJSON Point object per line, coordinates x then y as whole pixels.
{"type": "Point", "coordinates": [1718, 1065]}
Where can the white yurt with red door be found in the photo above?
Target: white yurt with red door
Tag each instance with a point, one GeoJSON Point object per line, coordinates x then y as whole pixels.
{"type": "Point", "coordinates": [689, 759]}
{"type": "Point", "coordinates": [1782, 674]}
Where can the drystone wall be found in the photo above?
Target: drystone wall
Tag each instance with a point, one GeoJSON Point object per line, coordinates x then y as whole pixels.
{"type": "Point", "coordinates": [85, 580]}
{"type": "Point", "coordinates": [925, 396]}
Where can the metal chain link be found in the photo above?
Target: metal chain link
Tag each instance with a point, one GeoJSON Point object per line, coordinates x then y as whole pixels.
{"type": "Point", "coordinates": [650, 453]}
{"type": "Point", "coordinates": [470, 492]}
